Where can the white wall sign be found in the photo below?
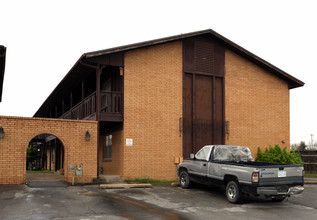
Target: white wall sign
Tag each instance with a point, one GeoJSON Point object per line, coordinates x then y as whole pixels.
{"type": "Point", "coordinates": [129, 142]}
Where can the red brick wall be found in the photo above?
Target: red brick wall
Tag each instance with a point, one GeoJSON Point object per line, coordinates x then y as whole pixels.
{"type": "Point", "coordinates": [256, 105]}
{"type": "Point", "coordinates": [115, 165]}
{"type": "Point", "coordinates": [19, 131]}
{"type": "Point", "coordinates": [152, 108]}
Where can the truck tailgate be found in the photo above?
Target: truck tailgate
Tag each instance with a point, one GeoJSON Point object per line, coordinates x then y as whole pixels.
{"type": "Point", "coordinates": [281, 175]}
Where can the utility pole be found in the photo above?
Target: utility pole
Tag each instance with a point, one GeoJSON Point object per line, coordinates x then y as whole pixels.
{"type": "Point", "coordinates": [312, 141]}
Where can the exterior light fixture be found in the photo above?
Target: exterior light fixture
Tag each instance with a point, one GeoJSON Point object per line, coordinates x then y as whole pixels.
{"type": "Point", "coordinates": [121, 71]}
{"type": "Point", "coordinates": [87, 136]}
{"type": "Point", "coordinates": [1, 132]}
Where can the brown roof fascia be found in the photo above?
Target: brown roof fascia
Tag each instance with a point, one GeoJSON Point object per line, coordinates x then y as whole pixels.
{"type": "Point", "coordinates": [2, 67]}
{"type": "Point", "coordinates": [143, 44]}
{"type": "Point", "coordinates": [292, 81]}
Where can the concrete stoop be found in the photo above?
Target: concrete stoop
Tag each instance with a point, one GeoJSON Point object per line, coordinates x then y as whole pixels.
{"type": "Point", "coordinates": [109, 179]}
{"type": "Point", "coordinates": [117, 182]}
{"type": "Point", "coordinates": [124, 186]}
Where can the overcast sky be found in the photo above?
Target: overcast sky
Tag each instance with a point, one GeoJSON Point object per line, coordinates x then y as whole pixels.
{"type": "Point", "coordinates": [44, 39]}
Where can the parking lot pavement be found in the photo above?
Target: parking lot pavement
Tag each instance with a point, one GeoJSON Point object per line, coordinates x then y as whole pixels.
{"type": "Point", "coordinates": [162, 202]}
{"type": "Point", "coordinates": [74, 202]}
{"type": "Point", "coordinates": [210, 203]}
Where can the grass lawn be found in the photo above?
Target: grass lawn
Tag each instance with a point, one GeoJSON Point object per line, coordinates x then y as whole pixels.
{"type": "Point", "coordinates": [310, 174]}
{"type": "Point", "coordinates": [39, 171]}
{"type": "Point", "coordinates": [151, 181]}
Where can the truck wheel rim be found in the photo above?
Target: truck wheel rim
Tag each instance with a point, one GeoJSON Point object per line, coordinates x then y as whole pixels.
{"type": "Point", "coordinates": [232, 192]}
{"type": "Point", "coordinates": [183, 180]}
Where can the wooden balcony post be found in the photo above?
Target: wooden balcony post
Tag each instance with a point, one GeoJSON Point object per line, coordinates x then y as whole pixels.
{"type": "Point", "coordinates": [63, 106]}
{"type": "Point", "coordinates": [56, 111]}
{"type": "Point", "coordinates": [82, 90]}
{"type": "Point", "coordinates": [98, 109]}
{"type": "Point", "coordinates": [98, 96]}
{"type": "Point", "coordinates": [83, 112]}
{"type": "Point", "coordinates": [71, 99]}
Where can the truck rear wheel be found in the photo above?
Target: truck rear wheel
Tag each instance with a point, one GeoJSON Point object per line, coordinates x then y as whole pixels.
{"type": "Point", "coordinates": [184, 180]}
{"type": "Point", "coordinates": [233, 192]}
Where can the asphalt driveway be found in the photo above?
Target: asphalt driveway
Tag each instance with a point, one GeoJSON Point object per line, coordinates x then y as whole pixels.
{"type": "Point", "coordinates": [162, 202]}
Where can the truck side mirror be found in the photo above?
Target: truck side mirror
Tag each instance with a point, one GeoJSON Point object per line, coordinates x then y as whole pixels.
{"type": "Point", "coordinates": [192, 156]}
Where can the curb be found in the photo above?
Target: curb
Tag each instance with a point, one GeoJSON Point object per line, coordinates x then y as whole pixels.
{"type": "Point", "coordinates": [175, 184]}
{"type": "Point", "coordinates": [310, 182]}
{"type": "Point", "coordinates": [124, 186]}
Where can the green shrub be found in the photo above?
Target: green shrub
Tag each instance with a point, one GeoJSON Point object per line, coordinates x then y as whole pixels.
{"type": "Point", "coordinates": [277, 155]}
{"type": "Point", "coordinates": [31, 155]}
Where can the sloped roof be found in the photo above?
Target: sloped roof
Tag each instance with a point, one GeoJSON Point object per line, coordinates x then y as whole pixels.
{"type": "Point", "coordinates": [292, 81]}
{"type": "Point", "coordinates": [78, 68]}
{"type": "Point", "coordinates": [2, 67]}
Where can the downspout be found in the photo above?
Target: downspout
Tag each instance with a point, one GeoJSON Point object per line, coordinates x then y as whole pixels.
{"type": "Point", "coordinates": [99, 69]}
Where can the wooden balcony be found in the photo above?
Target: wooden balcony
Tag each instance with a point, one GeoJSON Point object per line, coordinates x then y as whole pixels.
{"type": "Point", "coordinates": [111, 108]}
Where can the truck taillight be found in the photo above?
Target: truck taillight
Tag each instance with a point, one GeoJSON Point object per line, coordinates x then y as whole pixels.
{"type": "Point", "coordinates": [255, 177]}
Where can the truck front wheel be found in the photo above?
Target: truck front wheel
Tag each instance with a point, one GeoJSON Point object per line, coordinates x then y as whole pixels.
{"type": "Point", "coordinates": [184, 180]}
{"type": "Point", "coordinates": [233, 192]}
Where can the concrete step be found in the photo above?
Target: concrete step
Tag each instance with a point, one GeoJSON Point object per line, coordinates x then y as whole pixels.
{"type": "Point", "coordinates": [109, 179]}
{"type": "Point", "coordinates": [125, 186]}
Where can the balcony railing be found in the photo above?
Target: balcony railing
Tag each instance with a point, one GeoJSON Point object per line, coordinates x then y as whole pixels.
{"type": "Point", "coordinates": [83, 109]}
{"type": "Point", "coordinates": [111, 104]}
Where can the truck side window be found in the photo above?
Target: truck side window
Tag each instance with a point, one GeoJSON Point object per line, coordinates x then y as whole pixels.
{"type": "Point", "coordinates": [203, 154]}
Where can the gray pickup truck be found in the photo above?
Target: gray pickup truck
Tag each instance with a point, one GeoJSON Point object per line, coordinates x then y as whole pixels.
{"type": "Point", "coordinates": [233, 167]}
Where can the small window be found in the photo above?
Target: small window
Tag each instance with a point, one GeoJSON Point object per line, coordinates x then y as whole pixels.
{"type": "Point", "coordinates": [107, 147]}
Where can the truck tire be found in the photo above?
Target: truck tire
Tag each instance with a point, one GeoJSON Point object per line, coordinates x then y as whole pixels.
{"type": "Point", "coordinates": [233, 192]}
{"type": "Point", "coordinates": [184, 180]}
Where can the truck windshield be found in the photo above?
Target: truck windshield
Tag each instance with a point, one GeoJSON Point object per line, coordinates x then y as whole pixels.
{"type": "Point", "coordinates": [232, 153]}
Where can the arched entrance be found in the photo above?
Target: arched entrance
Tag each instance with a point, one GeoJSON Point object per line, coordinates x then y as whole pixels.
{"type": "Point", "coordinates": [45, 160]}
{"type": "Point", "coordinates": [70, 135]}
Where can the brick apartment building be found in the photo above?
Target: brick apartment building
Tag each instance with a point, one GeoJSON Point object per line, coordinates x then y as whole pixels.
{"type": "Point", "coordinates": [158, 101]}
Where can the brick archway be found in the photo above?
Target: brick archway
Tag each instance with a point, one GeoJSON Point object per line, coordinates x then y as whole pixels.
{"type": "Point", "coordinates": [50, 153]}
{"type": "Point", "coordinates": [18, 131]}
